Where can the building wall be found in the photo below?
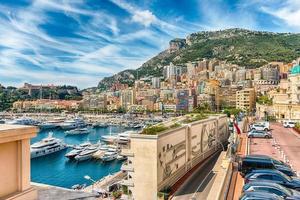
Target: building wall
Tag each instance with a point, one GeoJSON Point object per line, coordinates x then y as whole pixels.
{"type": "Point", "coordinates": [159, 161]}
{"type": "Point", "coordinates": [15, 162]}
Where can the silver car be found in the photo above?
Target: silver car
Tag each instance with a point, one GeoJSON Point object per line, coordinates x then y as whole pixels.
{"type": "Point", "coordinates": [259, 134]}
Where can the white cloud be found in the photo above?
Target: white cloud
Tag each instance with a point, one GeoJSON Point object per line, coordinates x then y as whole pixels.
{"type": "Point", "coordinates": [144, 17]}
{"type": "Point", "coordinates": [288, 11]}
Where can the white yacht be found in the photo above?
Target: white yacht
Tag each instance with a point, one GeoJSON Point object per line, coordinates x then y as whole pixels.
{"type": "Point", "coordinates": [22, 121]}
{"type": "Point", "coordinates": [78, 131]}
{"type": "Point", "coordinates": [109, 138]}
{"type": "Point", "coordinates": [87, 153]}
{"type": "Point", "coordinates": [77, 150]}
{"type": "Point", "coordinates": [47, 125]}
{"type": "Point", "coordinates": [47, 146]}
{"type": "Point", "coordinates": [74, 123]}
{"type": "Point", "coordinates": [109, 156]}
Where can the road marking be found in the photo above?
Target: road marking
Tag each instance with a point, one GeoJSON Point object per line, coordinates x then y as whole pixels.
{"type": "Point", "coordinates": [194, 195]}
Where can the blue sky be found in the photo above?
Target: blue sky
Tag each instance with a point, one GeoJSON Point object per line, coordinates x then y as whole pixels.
{"type": "Point", "coordinates": [78, 42]}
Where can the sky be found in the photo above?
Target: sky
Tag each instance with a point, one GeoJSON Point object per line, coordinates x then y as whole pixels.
{"type": "Point", "coordinates": [78, 42]}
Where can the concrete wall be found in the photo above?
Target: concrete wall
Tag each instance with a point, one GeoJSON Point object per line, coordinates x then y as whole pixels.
{"type": "Point", "coordinates": [145, 170]}
{"type": "Point", "coordinates": [161, 160]}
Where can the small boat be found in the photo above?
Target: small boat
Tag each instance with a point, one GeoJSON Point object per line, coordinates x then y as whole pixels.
{"type": "Point", "coordinates": [87, 153]}
{"type": "Point", "coordinates": [120, 157]}
{"type": "Point", "coordinates": [47, 146]}
{"type": "Point", "coordinates": [78, 131]}
{"type": "Point", "coordinates": [109, 156]}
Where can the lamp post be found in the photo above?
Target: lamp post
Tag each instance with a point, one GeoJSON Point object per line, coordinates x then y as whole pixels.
{"type": "Point", "coordinates": [87, 177]}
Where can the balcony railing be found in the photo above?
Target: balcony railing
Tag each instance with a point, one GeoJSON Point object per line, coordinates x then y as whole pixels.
{"type": "Point", "coordinates": [128, 183]}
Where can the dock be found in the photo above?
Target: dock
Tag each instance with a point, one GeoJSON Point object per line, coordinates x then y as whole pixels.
{"type": "Point", "coordinates": [103, 183]}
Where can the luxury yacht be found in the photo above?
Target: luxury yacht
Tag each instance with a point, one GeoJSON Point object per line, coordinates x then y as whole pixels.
{"type": "Point", "coordinates": [109, 156]}
{"type": "Point", "coordinates": [77, 150]}
{"type": "Point", "coordinates": [22, 121]}
{"type": "Point", "coordinates": [78, 131]}
{"type": "Point", "coordinates": [74, 123]}
{"type": "Point", "coordinates": [47, 146]}
{"type": "Point", "coordinates": [47, 125]}
{"type": "Point", "coordinates": [109, 138]}
{"type": "Point", "coordinates": [87, 153]}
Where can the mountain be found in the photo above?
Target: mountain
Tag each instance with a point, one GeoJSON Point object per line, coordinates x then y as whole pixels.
{"type": "Point", "coordinates": [238, 46]}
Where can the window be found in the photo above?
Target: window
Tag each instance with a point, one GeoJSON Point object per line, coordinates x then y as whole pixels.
{"type": "Point", "coordinates": [277, 178]}
{"type": "Point", "coordinates": [265, 176]}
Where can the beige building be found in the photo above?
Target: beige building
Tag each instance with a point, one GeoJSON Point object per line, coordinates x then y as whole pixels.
{"type": "Point", "coordinates": [286, 100]}
{"type": "Point", "coordinates": [245, 99]}
{"type": "Point", "coordinates": [95, 101]}
{"type": "Point", "coordinates": [15, 162]}
{"type": "Point", "coordinates": [128, 98]}
{"type": "Point", "coordinates": [156, 162]}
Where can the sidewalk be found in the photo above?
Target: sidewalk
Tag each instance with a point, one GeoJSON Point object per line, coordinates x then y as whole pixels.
{"type": "Point", "coordinates": [237, 181]}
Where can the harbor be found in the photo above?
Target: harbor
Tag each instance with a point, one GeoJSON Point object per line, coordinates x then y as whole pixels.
{"type": "Point", "coordinates": [59, 170]}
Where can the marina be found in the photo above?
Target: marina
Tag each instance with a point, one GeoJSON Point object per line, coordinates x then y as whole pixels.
{"type": "Point", "coordinates": [67, 166]}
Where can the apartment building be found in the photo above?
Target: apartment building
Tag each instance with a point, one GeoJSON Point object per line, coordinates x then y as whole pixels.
{"type": "Point", "coordinates": [245, 99]}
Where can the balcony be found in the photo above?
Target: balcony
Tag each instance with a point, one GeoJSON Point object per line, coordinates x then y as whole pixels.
{"type": "Point", "coordinates": [127, 167]}
{"type": "Point", "coordinates": [128, 183]}
{"type": "Point", "coordinates": [15, 162]}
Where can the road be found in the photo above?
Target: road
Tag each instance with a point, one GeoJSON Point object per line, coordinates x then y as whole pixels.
{"type": "Point", "coordinates": [198, 185]}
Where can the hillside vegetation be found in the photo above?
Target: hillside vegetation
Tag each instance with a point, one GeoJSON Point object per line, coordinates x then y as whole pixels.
{"type": "Point", "coordinates": [247, 48]}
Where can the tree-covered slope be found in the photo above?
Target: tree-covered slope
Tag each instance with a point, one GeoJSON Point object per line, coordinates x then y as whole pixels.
{"type": "Point", "coordinates": [239, 46]}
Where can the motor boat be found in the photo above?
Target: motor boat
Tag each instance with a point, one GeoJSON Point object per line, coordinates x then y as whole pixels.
{"type": "Point", "coordinates": [121, 157]}
{"type": "Point", "coordinates": [47, 146]}
{"type": "Point", "coordinates": [101, 124]}
{"type": "Point", "coordinates": [109, 138]}
{"type": "Point", "coordinates": [77, 150]}
{"type": "Point", "coordinates": [73, 153]}
{"type": "Point", "coordinates": [47, 125]}
{"type": "Point", "coordinates": [109, 156]}
{"type": "Point", "coordinates": [78, 131]}
{"type": "Point", "coordinates": [87, 153]}
{"type": "Point", "coordinates": [72, 124]}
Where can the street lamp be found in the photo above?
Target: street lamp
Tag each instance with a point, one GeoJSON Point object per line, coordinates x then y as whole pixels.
{"type": "Point", "coordinates": [87, 177]}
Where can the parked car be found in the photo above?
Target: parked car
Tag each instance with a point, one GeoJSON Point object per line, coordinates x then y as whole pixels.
{"type": "Point", "coordinates": [269, 187]}
{"type": "Point", "coordinates": [248, 164]}
{"type": "Point", "coordinates": [260, 126]}
{"type": "Point", "coordinates": [259, 134]}
{"type": "Point", "coordinates": [274, 176]}
{"type": "Point", "coordinates": [276, 162]}
{"type": "Point", "coordinates": [289, 124]}
{"type": "Point", "coordinates": [259, 196]}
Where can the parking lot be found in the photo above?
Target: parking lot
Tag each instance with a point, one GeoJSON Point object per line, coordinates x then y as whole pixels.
{"type": "Point", "coordinates": [285, 145]}
{"type": "Point", "coordinates": [262, 175]}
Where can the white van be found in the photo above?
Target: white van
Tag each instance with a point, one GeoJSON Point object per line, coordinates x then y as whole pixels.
{"type": "Point", "coordinates": [289, 124]}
